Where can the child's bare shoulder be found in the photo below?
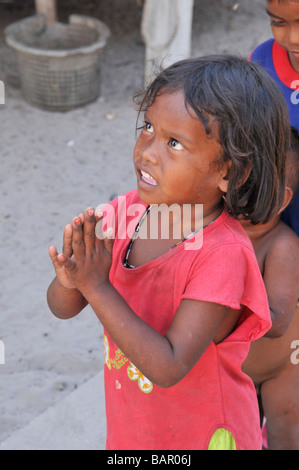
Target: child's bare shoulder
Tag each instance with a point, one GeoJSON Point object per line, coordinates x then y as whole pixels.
{"type": "Point", "coordinates": [283, 236]}
{"type": "Point", "coordinates": [283, 241]}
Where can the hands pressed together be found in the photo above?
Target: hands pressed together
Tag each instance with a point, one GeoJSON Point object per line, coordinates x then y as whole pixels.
{"type": "Point", "coordinates": [85, 261]}
{"type": "Point", "coordinates": [82, 278]}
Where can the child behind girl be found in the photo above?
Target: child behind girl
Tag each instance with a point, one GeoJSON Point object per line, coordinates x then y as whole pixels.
{"type": "Point", "coordinates": [279, 56]}
{"type": "Point", "coordinates": [178, 319]}
{"type": "Point", "coordinates": [269, 363]}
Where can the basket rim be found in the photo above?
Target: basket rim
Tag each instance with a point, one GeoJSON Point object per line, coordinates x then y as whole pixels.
{"type": "Point", "coordinates": [101, 27]}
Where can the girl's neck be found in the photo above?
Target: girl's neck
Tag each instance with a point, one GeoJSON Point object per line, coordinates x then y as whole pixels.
{"type": "Point", "coordinates": [179, 221]}
{"type": "Point", "coordinates": [213, 214]}
{"type": "Point", "coordinates": [162, 228]}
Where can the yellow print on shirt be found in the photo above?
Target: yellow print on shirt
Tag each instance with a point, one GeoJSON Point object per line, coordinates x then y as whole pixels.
{"type": "Point", "coordinates": [119, 358]}
{"type": "Point", "coordinates": [106, 352]}
{"type": "Point", "coordinates": [144, 384]}
{"type": "Point", "coordinates": [133, 373]}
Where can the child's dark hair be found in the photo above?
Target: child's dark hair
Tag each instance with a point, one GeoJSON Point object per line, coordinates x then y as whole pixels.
{"type": "Point", "coordinates": [253, 125]}
{"type": "Point", "coordinates": [292, 171]}
{"type": "Point", "coordinates": [284, 1]}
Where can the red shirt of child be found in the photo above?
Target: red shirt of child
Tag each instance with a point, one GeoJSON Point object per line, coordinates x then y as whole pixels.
{"type": "Point", "coordinates": [215, 400]}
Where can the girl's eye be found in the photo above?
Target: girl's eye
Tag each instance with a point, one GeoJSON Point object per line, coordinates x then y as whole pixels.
{"type": "Point", "coordinates": [277, 23]}
{"type": "Point", "coordinates": [174, 144]}
{"type": "Point", "coordinates": [148, 127]}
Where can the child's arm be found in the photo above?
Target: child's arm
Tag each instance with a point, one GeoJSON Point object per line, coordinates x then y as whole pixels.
{"type": "Point", "coordinates": [164, 360]}
{"type": "Point", "coordinates": [64, 303]}
{"type": "Point", "coordinates": [64, 300]}
{"type": "Point", "coordinates": [281, 278]}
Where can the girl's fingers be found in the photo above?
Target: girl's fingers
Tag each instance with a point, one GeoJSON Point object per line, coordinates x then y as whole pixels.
{"type": "Point", "coordinates": [85, 236]}
{"type": "Point", "coordinates": [67, 263]}
{"type": "Point", "coordinates": [78, 237]}
{"type": "Point", "coordinates": [67, 248]}
{"type": "Point", "coordinates": [53, 255]}
{"type": "Point", "coordinates": [98, 228]}
{"type": "Point", "coordinates": [89, 230]}
{"type": "Point", "coordinates": [57, 259]}
{"type": "Point", "coordinates": [104, 240]}
{"type": "Point", "coordinates": [108, 240]}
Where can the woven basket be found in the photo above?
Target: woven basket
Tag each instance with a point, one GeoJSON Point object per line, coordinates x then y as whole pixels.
{"type": "Point", "coordinates": [59, 65]}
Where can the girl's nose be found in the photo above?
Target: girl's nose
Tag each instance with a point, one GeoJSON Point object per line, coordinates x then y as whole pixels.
{"type": "Point", "coordinates": [149, 151]}
{"type": "Point", "coordinates": [294, 37]}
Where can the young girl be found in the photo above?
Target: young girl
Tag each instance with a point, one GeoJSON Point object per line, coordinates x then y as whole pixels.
{"type": "Point", "coordinates": [179, 318]}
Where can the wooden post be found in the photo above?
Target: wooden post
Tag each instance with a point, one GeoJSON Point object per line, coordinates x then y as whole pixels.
{"type": "Point", "coordinates": [47, 8]}
{"type": "Point", "coordinates": [166, 29]}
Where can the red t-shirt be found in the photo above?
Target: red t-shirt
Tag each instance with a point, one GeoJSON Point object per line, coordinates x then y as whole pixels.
{"type": "Point", "coordinates": [215, 393]}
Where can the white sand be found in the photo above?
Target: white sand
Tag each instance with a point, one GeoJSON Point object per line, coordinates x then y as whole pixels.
{"type": "Point", "coordinates": [55, 165]}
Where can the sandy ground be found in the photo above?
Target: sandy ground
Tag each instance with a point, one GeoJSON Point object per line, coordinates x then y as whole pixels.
{"type": "Point", "coordinates": [52, 167]}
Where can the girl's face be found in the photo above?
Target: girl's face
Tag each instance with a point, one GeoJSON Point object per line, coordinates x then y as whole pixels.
{"type": "Point", "coordinates": [175, 161]}
{"type": "Point", "coordinates": [285, 27]}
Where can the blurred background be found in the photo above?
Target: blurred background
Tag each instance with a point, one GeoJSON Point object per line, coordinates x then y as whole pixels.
{"type": "Point", "coordinates": [54, 165]}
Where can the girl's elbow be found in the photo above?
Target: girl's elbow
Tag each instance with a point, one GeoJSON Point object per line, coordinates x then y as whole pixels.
{"type": "Point", "coordinates": [166, 383]}
{"type": "Point", "coordinates": [170, 379]}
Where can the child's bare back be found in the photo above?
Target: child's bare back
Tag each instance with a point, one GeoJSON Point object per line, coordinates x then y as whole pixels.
{"type": "Point", "coordinates": [269, 354]}
{"type": "Point", "coordinates": [269, 363]}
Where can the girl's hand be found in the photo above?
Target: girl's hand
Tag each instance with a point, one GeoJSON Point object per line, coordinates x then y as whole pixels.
{"type": "Point", "coordinates": [86, 259]}
{"type": "Point", "coordinates": [61, 272]}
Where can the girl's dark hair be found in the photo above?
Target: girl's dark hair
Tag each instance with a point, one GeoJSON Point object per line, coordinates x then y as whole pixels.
{"type": "Point", "coordinates": [292, 163]}
{"type": "Point", "coordinates": [253, 125]}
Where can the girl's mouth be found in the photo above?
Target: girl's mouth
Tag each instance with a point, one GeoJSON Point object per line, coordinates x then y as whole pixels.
{"type": "Point", "coordinates": [147, 178]}
{"type": "Point", "coordinates": [295, 54]}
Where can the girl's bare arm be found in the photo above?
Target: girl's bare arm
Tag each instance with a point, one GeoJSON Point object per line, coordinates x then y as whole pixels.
{"type": "Point", "coordinates": [64, 302]}
{"type": "Point", "coordinates": [163, 359]}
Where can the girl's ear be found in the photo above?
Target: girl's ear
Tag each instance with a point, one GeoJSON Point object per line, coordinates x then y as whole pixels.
{"type": "Point", "coordinates": [224, 174]}
{"type": "Point", "coordinates": [288, 195]}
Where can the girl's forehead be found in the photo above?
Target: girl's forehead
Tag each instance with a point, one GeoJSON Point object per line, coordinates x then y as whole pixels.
{"type": "Point", "coordinates": [171, 116]}
{"type": "Point", "coordinates": [287, 10]}
{"type": "Point", "coordinates": [172, 108]}
{"type": "Point", "coordinates": [169, 102]}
